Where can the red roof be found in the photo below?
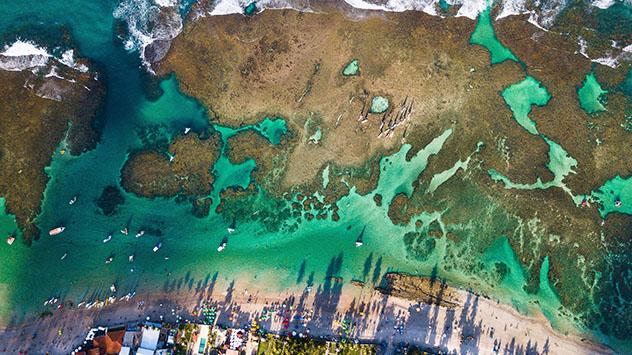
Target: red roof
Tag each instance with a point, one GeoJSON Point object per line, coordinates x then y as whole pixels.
{"type": "Point", "coordinates": [109, 343]}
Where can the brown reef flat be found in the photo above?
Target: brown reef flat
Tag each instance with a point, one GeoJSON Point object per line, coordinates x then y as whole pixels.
{"type": "Point", "coordinates": [36, 113]}
{"type": "Point", "coordinates": [289, 64]}
{"type": "Point", "coordinates": [151, 173]}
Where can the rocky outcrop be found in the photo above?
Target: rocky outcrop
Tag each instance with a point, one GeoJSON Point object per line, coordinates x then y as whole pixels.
{"type": "Point", "coordinates": [43, 100]}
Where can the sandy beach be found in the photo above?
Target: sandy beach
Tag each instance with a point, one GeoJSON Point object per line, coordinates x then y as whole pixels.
{"type": "Point", "coordinates": [476, 325]}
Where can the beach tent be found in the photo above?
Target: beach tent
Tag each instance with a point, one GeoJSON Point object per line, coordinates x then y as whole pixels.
{"type": "Point", "coordinates": [149, 339]}
{"type": "Point", "coordinates": [142, 351]}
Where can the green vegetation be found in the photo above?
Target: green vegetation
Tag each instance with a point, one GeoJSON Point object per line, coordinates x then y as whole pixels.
{"type": "Point", "coordinates": [187, 330]}
{"type": "Point", "coordinates": [272, 345]}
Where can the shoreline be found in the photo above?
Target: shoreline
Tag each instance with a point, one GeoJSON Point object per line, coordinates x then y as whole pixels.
{"type": "Point", "coordinates": [476, 324]}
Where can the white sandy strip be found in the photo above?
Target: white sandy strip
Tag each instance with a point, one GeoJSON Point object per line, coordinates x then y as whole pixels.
{"type": "Point", "coordinates": [477, 325]}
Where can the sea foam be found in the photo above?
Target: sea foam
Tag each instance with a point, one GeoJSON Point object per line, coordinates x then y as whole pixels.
{"type": "Point", "coordinates": [159, 21]}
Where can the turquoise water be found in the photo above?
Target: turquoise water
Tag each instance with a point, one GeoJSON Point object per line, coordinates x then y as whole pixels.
{"type": "Point", "coordinates": [379, 104]}
{"type": "Point", "coordinates": [484, 35]}
{"type": "Point", "coordinates": [590, 95]}
{"type": "Point", "coordinates": [270, 245]}
{"type": "Point", "coordinates": [352, 68]}
{"type": "Point", "coordinates": [520, 98]}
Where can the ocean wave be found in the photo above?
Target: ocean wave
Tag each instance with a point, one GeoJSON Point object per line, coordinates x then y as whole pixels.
{"type": "Point", "coordinates": [152, 24]}
{"type": "Point", "coordinates": [26, 55]}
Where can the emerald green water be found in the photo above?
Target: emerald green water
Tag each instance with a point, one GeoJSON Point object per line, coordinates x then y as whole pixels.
{"type": "Point", "coordinates": [352, 68]}
{"type": "Point", "coordinates": [379, 104]}
{"type": "Point", "coordinates": [590, 95]}
{"type": "Point", "coordinates": [521, 97]}
{"type": "Point", "coordinates": [484, 35]}
{"type": "Point", "coordinates": [270, 245]}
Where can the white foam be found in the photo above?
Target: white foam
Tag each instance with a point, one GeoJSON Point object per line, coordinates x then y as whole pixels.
{"type": "Point", "coordinates": [471, 8]}
{"type": "Point", "coordinates": [166, 3]}
{"type": "Point", "coordinates": [22, 55]}
{"type": "Point", "coordinates": [148, 21]}
{"type": "Point", "coordinates": [227, 7]}
{"type": "Point", "coordinates": [511, 8]}
{"type": "Point", "coordinates": [603, 4]}
{"type": "Point", "coordinates": [583, 46]}
{"type": "Point", "coordinates": [21, 48]}
{"type": "Point", "coordinates": [427, 6]}
{"type": "Point", "coordinates": [607, 61]}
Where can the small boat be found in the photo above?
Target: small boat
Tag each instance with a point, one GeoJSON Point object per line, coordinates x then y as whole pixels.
{"type": "Point", "coordinates": [359, 242]}
{"type": "Point", "coordinates": [140, 234]}
{"type": "Point", "coordinates": [157, 246]}
{"type": "Point", "coordinates": [125, 231]}
{"type": "Point", "coordinates": [56, 231]}
{"type": "Point", "coordinates": [109, 259]}
{"type": "Point", "coordinates": [107, 239]}
{"type": "Point", "coordinates": [617, 203]}
{"type": "Point", "coordinates": [113, 288]}
{"type": "Point", "coordinates": [232, 227]}
{"type": "Point", "coordinates": [130, 258]}
{"type": "Point", "coordinates": [72, 200]}
{"type": "Point", "coordinates": [10, 239]}
{"type": "Point", "coordinates": [221, 246]}
{"type": "Point", "coordinates": [64, 256]}
{"type": "Point", "coordinates": [187, 130]}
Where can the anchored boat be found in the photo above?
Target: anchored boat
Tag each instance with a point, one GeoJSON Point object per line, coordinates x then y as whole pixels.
{"type": "Point", "coordinates": [221, 246]}
{"type": "Point", "coordinates": [157, 247]}
{"type": "Point", "coordinates": [107, 239]}
{"type": "Point", "coordinates": [56, 231]}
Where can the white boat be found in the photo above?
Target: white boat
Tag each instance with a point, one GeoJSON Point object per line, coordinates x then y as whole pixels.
{"type": "Point", "coordinates": [130, 258]}
{"type": "Point", "coordinates": [187, 130]}
{"type": "Point", "coordinates": [56, 231]}
{"type": "Point", "coordinates": [140, 234]}
{"type": "Point", "coordinates": [221, 246]}
{"type": "Point", "coordinates": [109, 237]}
{"type": "Point", "coordinates": [157, 247]}
{"type": "Point", "coordinates": [10, 240]}
{"type": "Point", "coordinates": [109, 259]}
{"type": "Point", "coordinates": [617, 203]}
{"type": "Point", "coordinates": [124, 231]}
{"type": "Point", "coordinates": [113, 288]}
{"type": "Point", "coordinates": [64, 256]}
{"type": "Point", "coordinates": [358, 243]}
{"type": "Point", "coordinates": [72, 200]}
